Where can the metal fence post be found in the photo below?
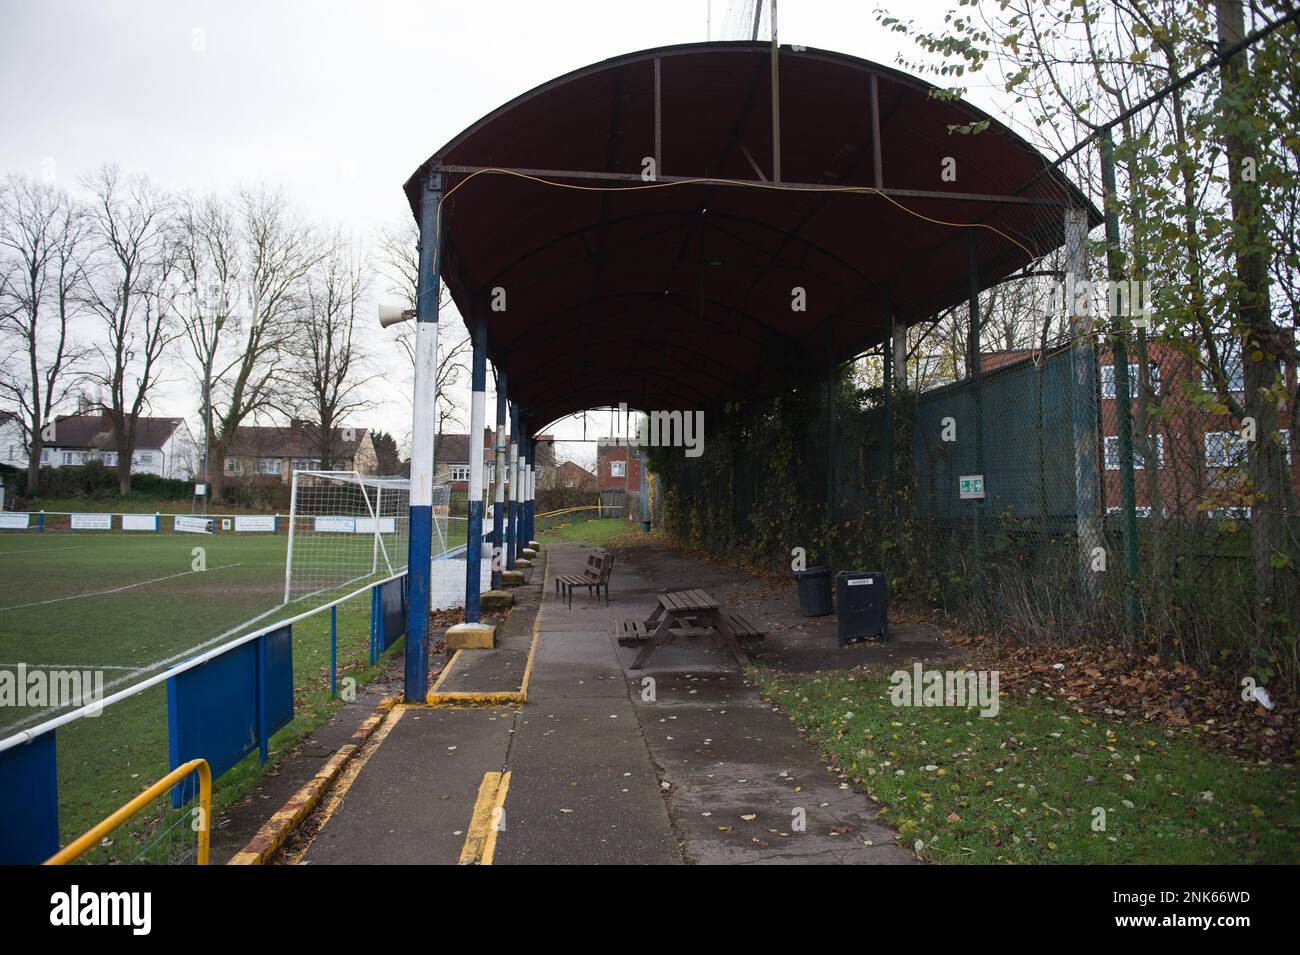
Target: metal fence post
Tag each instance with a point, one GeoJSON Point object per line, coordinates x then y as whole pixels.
{"type": "Point", "coordinates": [973, 372]}
{"type": "Point", "coordinates": [1123, 406]}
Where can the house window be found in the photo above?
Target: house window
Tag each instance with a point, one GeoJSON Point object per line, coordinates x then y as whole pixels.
{"type": "Point", "coordinates": [459, 472]}
{"type": "Point", "coordinates": [306, 464]}
{"type": "Point", "coordinates": [1108, 378]}
{"type": "Point", "coordinates": [146, 457]}
{"type": "Point", "coordinates": [71, 457]}
{"type": "Point", "coordinates": [1141, 511]}
{"type": "Point", "coordinates": [1232, 371]}
{"type": "Point", "coordinates": [45, 456]}
{"type": "Point", "coordinates": [232, 465]}
{"type": "Point", "coordinates": [1112, 453]}
{"type": "Point", "coordinates": [110, 459]}
{"type": "Point", "coordinates": [618, 469]}
{"type": "Point", "coordinates": [1224, 449]}
{"type": "Point", "coordinates": [268, 465]}
{"type": "Point", "coordinates": [1229, 513]}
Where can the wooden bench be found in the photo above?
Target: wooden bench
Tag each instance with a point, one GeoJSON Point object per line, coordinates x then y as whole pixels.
{"type": "Point", "coordinates": [590, 574]}
{"type": "Point", "coordinates": [601, 580]}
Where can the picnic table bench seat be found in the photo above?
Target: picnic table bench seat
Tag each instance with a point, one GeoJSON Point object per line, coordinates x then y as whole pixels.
{"type": "Point", "coordinates": [742, 627]}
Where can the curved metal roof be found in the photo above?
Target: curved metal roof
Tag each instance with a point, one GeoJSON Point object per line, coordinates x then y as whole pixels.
{"type": "Point", "coordinates": [678, 293]}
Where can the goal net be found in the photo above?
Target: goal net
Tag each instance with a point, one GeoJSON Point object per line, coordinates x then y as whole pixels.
{"type": "Point", "coordinates": [346, 528]}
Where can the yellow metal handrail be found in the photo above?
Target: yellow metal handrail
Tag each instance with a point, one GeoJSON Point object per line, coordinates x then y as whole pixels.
{"type": "Point", "coordinates": [79, 846]}
{"type": "Point", "coordinates": [570, 510]}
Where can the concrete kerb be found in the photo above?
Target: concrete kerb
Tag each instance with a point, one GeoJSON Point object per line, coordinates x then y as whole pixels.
{"type": "Point", "coordinates": [268, 839]}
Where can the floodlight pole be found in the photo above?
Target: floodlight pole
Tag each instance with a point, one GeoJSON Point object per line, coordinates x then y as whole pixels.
{"type": "Point", "coordinates": [499, 489]}
{"type": "Point", "coordinates": [474, 529]}
{"type": "Point", "coordinates": [423, 422]}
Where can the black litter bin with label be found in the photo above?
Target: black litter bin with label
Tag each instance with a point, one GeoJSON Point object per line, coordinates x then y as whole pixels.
{"type": "Point", "coordinates": [862, 599]}
{"type": "Point", "coordinates": [814, 590]}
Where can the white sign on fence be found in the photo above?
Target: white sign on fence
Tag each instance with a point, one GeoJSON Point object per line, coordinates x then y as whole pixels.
{"type": "Point", "coordinates": [254, 522]}
{"type": "Point", "coordinates": [971, 486]}
{"type": "Point", "coordinates": [192, 525]}
{"type": "Point", "coordinates": [366, 525]}
{"type": "Point", "coordinates": [139, 522]}
{"type": "Point", "coordinates": [14, 521]}
{"type": "Point", "coordinates": [92, 522]}
{"type": "Point", "coordinates": [336, 525]}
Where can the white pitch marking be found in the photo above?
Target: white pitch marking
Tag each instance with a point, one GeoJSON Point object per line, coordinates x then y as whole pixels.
{"type": "Point", "coordinates": [117, 590]}
{"type": "Point", "coordinates": [38, 552]}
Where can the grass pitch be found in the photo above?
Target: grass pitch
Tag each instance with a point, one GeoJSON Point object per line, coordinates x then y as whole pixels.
{"type": "Point", "coordinates": [131, 605]}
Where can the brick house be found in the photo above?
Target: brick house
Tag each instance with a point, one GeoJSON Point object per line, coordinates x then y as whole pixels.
{"type": "Point", "coordinates": [163, 446]}
{"type": "Point", "coordinates": [570, 476]}
{"type": "Point", "coordinates": [269, 455]}
{"type": "Point", "coordinates": [612, 472]}
{"type": "Point", "coordinates": [451, 458]}
{"type": "Point", "coordinates": [1197, 452]}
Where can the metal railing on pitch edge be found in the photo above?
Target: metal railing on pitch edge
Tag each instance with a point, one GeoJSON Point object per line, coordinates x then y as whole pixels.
{"type": "Point", "coordinates": [27, 758]}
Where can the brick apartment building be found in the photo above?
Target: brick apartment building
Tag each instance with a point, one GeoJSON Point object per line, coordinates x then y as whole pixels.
{"type": "Point", "coordinates": [1197, 452]}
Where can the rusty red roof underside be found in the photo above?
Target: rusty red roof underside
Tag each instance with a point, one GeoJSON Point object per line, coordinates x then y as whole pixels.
{"type": "Point", "coordinates": [678, 297]}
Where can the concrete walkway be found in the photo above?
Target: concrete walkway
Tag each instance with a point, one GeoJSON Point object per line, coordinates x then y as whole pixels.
{"type": "Point", "coordinates": [678, 763]}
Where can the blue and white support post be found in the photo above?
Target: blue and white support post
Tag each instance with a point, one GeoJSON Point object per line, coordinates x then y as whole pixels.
{"type": "Point", "coordinates": [420, 546]}
{"type": "Point", "coordinates": [499, 511]}
{"type": "Point", "coordinates": [532, 490]}
{"type": "Point", "coordinates": [513, 507]}
{"type": "Point", "coordinates": [473, 634]}
{"type": "Point", "coordinates": [477, 413]}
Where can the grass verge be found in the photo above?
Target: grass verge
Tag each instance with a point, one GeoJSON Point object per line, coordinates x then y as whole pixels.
{"type": "Point", "coordinates": [605, 532]}
{"type": "Point", "coordinates": [1026, 785]}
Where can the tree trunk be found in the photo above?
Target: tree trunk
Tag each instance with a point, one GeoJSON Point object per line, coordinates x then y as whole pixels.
{"type": "Point", "coordinates": [34, 465]}
{"type": "Point", "coordinates": [217, 470]}
{"type": "Point", "coordinates": [1268, 477]}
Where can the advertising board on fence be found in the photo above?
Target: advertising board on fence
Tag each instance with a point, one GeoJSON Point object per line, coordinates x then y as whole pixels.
{"type": "Point", "coordinates": [192, 525]}
{"type": "Point", "coordinates": [92, 522]}
{"type": "Point", "coordinates": [139, 522]}
{"type": "Point", "coordinates": [254, 522]}
{"type": "Point", "coordinates": [336, 525]}
{"type": "Point", "coordinates": [366, 525]}
{"type": "Point", "coordinates": [14, 522]}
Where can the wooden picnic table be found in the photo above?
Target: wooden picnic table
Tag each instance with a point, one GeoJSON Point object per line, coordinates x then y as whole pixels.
{"type": "Point", "coordinates": [689, 613]}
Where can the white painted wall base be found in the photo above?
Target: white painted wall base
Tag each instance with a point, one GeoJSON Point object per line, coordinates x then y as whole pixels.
{"type": "Point", "coordinates": [447, 583]}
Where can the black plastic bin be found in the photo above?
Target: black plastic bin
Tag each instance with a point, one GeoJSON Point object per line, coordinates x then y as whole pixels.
{"type": "Point", "coordinates": [814, 590]}
{"type": "Point", "coordinates": [863, 599]}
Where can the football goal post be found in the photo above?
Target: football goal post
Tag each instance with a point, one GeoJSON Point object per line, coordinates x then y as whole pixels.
{"type": "Point", "coordinates": [346, 528]}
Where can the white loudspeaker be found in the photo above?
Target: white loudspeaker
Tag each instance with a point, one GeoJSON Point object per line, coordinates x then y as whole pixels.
{"type": "Point", "coordinates": [392, 314]}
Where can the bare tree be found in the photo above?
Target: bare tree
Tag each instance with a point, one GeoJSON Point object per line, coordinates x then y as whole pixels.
{"type": "Point", "coordinates": [128, 291]}
{"type": "Point", "coordinates": [328, 371]}
{"type": "Point", "coordinates": [42, 274]}
{"type": "Point", "coordinates": [399, 250]}
{"type": "Point", "coordinates": [244, 266]}
{"type": "Point", "coordinates": [209, 266]}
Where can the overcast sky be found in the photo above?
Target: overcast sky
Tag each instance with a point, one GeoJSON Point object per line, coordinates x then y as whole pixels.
{"type": "Point", "coordinates": [335, 102]}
